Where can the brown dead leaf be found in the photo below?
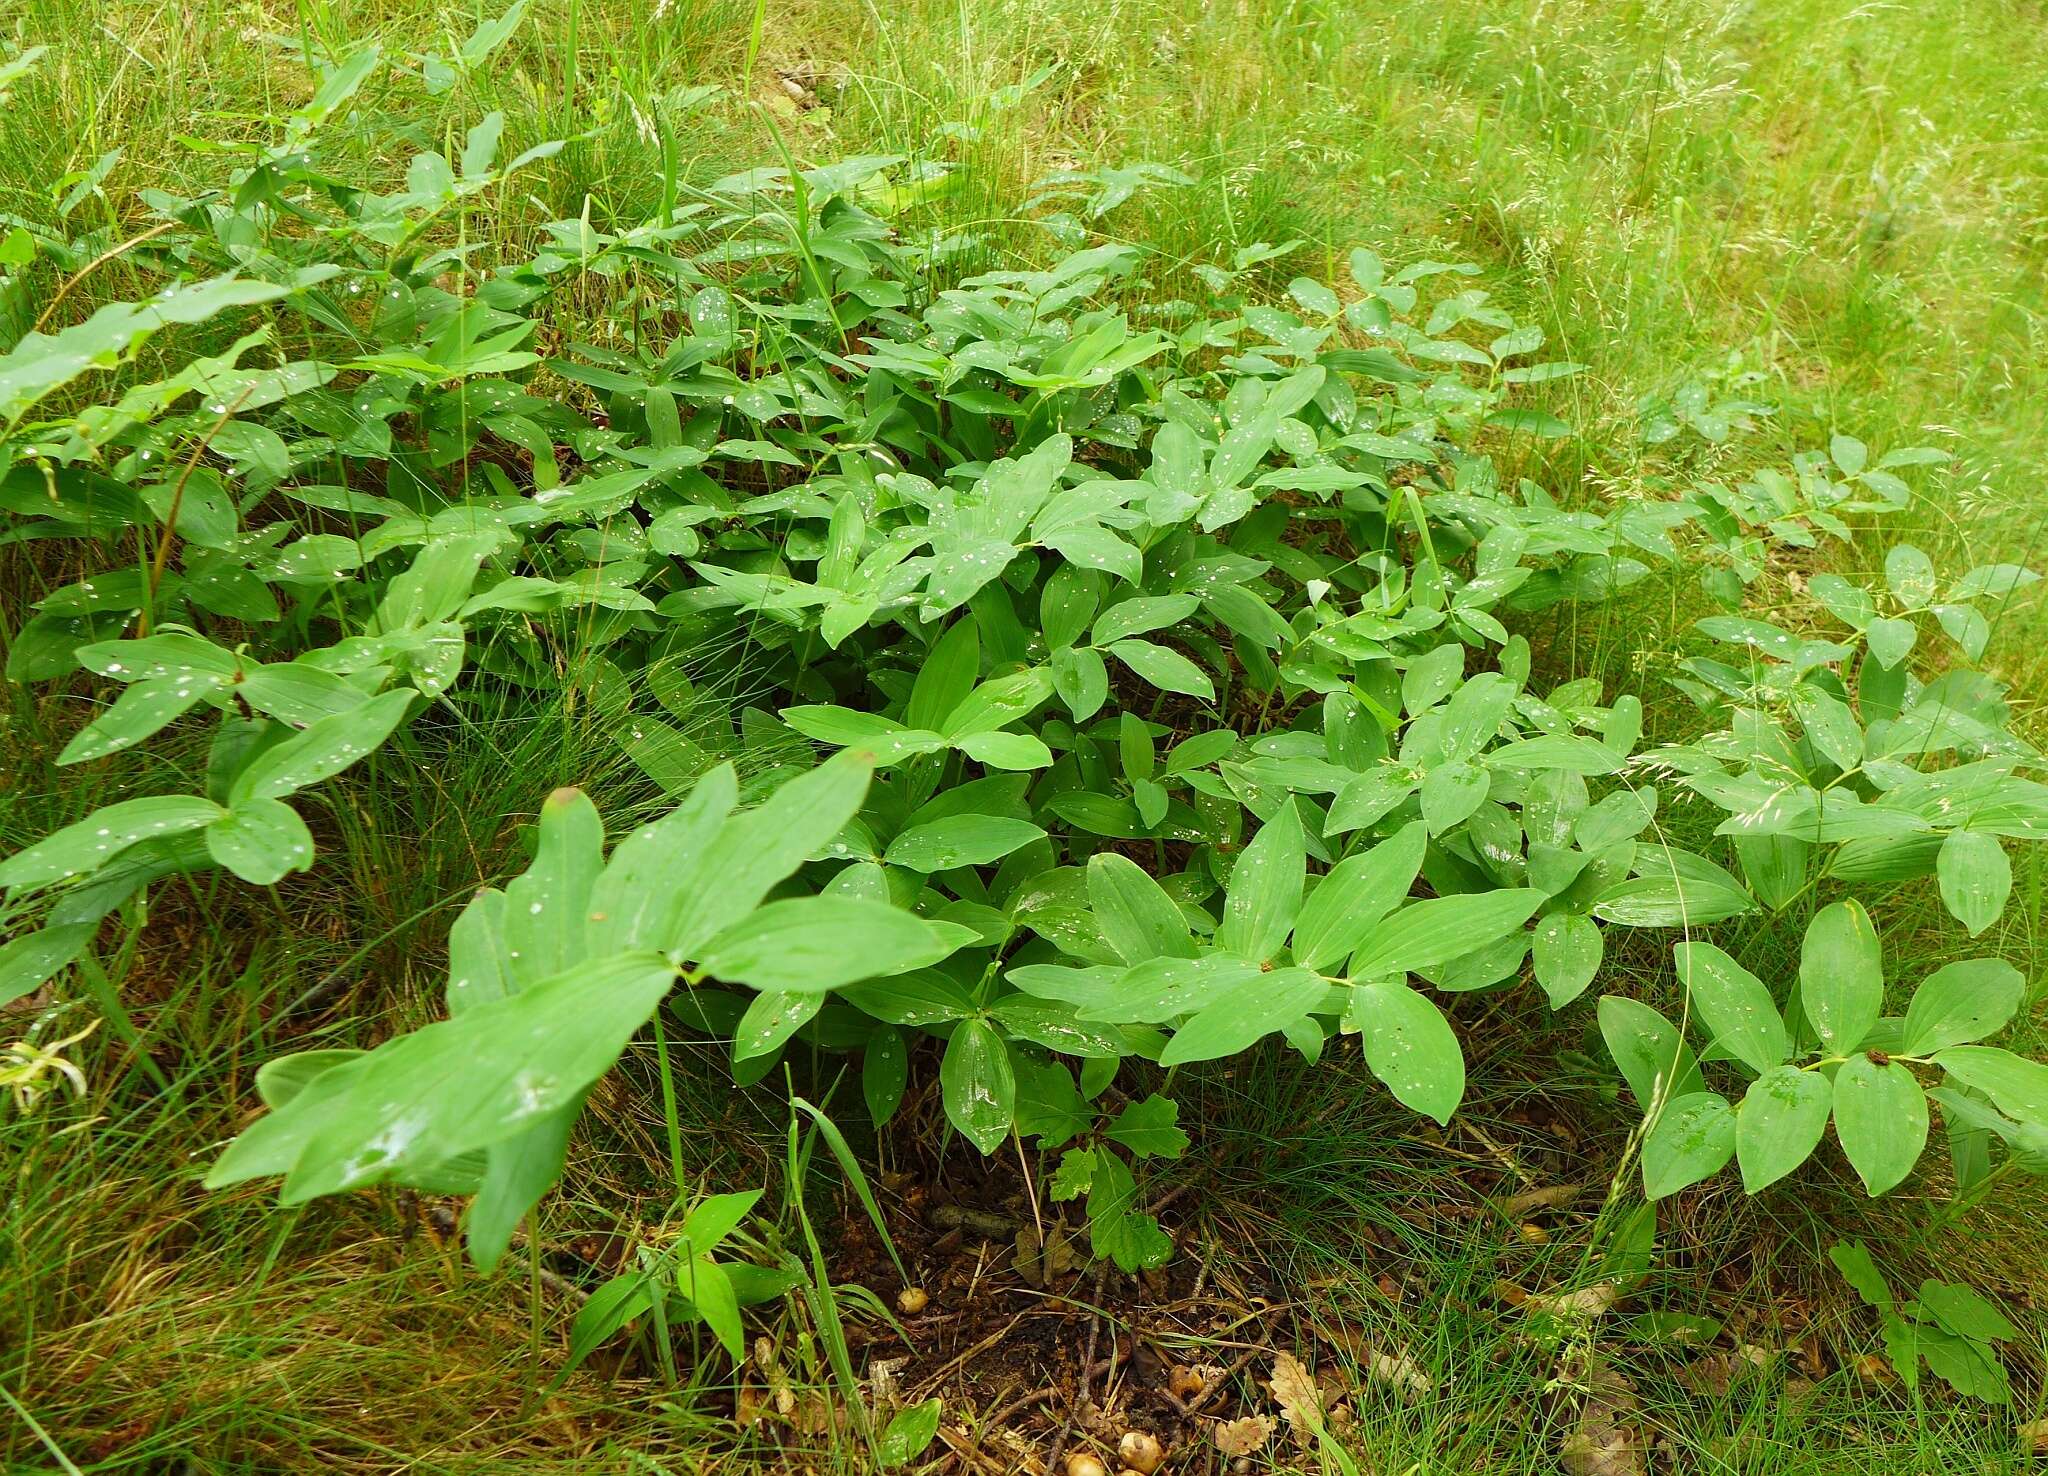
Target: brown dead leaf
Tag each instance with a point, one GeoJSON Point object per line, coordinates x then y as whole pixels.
{"type": "Point", "coordinates": [1583, 1305]}
{"type": "Point", "coordinates": [1605, 1441]}
{"type": "Point", "coordinates": [1295, 1390]}
{"type": "Point", "coordinates": [780, 1395]}
{"type": "Point", "coordinates": [1598, 1449]}
{"type": "Point", "coordinates": [1555, 1196]}
{"type": "Point", "coordinates": [1717, 1373]}
{"type": "Point", "coordinates": [883, 1390]}
{"type": "Point", "coordinates": [1712, 1374]}
{"type": "Point", "coordinates": [2034, 1436]}
{"type": "Point", "coordinates": [1243, 1437]}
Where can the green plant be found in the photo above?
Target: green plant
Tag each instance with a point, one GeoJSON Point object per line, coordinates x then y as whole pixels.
{"type": "Point", "coordinates": [1003, 541]}
{"type": "Point", "coordinates": [1952, 1328]}
{"type": "Point", "coordinates": [1861, 1072]}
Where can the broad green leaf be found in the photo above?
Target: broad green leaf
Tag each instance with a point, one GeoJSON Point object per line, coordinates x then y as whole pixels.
{"type": "Point", "coordinates": [1996, 580]}
{"type": "Point", "coordinates": [1139, 614]}
{"type": "Point", "coordinates": [1255, 1007]}
{"type": "Point", "coordinates": [1831, 725]}
{"type": "Point", "coordinates": [1891, 640]}
{"type": "Point", "coordinates": [1677, 889]}
{"type": "Point", "coordinates": [1775, 866]}
{"type": "Point", "coordinates": [1361, 889]}
{"type": "Point", "coordinates": [547, 908]}
{"type": "Point", "coordinates": [1779, 1124]}
{"type": "Point", "coordinates": [1048, 1106]}
{"type": "Point", "coordinates": [715, 1217]}
{"type": "Point", "coordinates": [1431, 676]}
{"type": "Point", "coordinates": [1568, 752]}
{"type": "Point", "coordinates": [1136, 916]}
{"type": "Point", "coordinates": [1368, 798]}
{"type": "Point", "coordinates": [1849, 603]}
{"type": "Point", "coordinates": [1095, 547]}
{"type": "Point", "coordinates": [1149, 1128]}
{"type": "Point", "coordinates": [1163, 668]}
{"type": "Point", "coordinates": [282, 1078]}
{"type": "Point", "coordinates": [907, 1434]}
{"type": "Point", "coordinates": [1054, 1025]}
{"type": "Point", "coordinates": [1966, 1314]}
{"type": "Point", "coordinates": [1473, 715]}
{"type": "Point", "coordinates": [436, 584]}
{"type": "Point", "coordinates": [1975, 878]}
{"type": "Point", "coordinates": [85, 847]}
{"type": "Point", "coordinates": [1161, 989]}
{"type": "Point", "coordinates": [1649, 1050]}
{"type": "Point", "coordinates": [1117, 1227]}
{"type": "Point", "coordinates": [959, 840]}
{"type": "Point", "coordinates": [1841, 975]}
{"type": "Point", "coordinates": [1881, 1119]}
{"type": "Point", "coordinates": [978, 1085]}
{"type": "Point", "coordinates": [1410, 1047]}
{"type": "Point", "coordinates": [299, 694]}
{"type": "Point", "coordinates": [1693, 1138]}
{"type": "Point", "coordinates": [39, 364]}
{"type": "Point", "coordinates": [260, 840]}
{"type": "Point", "coordinates": [1001, 700]}
{"type": "Point", "coordinates": [884, 1072]}
{"type": "Point", "coordinates": [609, 1309]}
{"type": "Point", "coordinates": [478, 968]}
{"type": "Point", "coordinates": [31, 960]}
{"type": "Point", "coordinates": [323, 750]}
{"type": "Point", "coordinates": [1450, 793]}
{"type": "Point", "coordinates": [517, 1172]}
{"type": "Point", "coordinates": [422, 1098]}
{"type": "Point", "coordinates": [754, 850]}
{"type": "Point", "coordinates": [1074, 1175]}
{"type": "Point", "coordinates": [1434, 931]}
{"type": "Point", "coordinates": [1566, 949]}
{"type": "Point", "coordinates": [1960, 1003]}
{"type": "Point", "coordinates": [1264, 896]}
{"type": "Point", "coordinates": [1970, 1367]}
{"type": "Point", "coordinates": [142, 709]}
{"type": "Point", "coordinates": [2017, 1085]}
{"type": "Point", "coordinates": [771, 1020]}
{"type": "Point", "coordinates": [946, 677]}
{"type": "Point", "coordinates": [1966, 627]}
{"type": "Point", "coordinates": [1910, 573]}
{"type": "Point", "coordinates": [1081, 679]}
{"type": "Point", "coordinates": [1852, 1259]}
{"type": "Point", "coordinates": [635, 901]}
{"type": "Point", "coordinates": [1246, 443]}
{"type": "Point", "coordinates": [153, 658]}
{"type": "Point", "coordinates": [922, 997]}
{"type": "Point", "coordinates": [842, 727]}
{"type": "Point", "coordinates": [1010, 751]}
{"type": "Point", "coordinates": [1734, 1004]}
{"type": "Point", "coordinates": [709, 1291]}
{"type": "Point", "coordinates": [806, 945]}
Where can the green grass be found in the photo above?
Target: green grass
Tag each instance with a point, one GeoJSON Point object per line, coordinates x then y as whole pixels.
{"type": "Point", "coordinates": [1840, 210]}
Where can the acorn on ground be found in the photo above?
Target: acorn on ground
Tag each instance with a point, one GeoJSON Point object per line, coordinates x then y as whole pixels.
{"type": "Point", "coordinates": [1140, 1452]}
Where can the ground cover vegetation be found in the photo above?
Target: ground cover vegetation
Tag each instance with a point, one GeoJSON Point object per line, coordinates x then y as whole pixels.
{"type": "Point", "coordinates": [730, 754]}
